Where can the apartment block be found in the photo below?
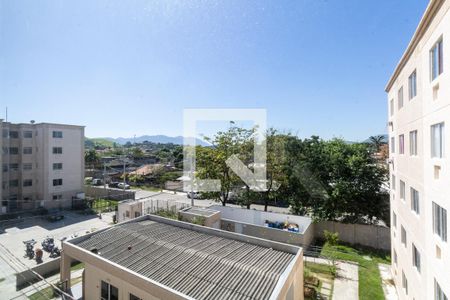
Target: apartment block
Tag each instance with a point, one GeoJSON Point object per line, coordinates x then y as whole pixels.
{"type": "Point", "coordinates": [42, 165]}
{"type": "Point", "coordinates": [419, 117]}
{"type": "Point", "coordinates": [151, 257]}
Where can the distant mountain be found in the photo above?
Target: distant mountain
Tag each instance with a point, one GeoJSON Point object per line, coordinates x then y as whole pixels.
{"type": "Point", "coordinates": [162, 139]}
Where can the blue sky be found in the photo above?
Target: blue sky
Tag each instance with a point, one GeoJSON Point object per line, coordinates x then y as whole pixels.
{"type": "Point", "coordinates": [130, 67]}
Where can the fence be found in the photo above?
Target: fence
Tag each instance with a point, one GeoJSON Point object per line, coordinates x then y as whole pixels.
{"type": "Point", "coordinates": [155, 205]}
{"type": "Point", "coordinates": [115, 194]}
{"type": "Point", "coordinates": [374, 236]}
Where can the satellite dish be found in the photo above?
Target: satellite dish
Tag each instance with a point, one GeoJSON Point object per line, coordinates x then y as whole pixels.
{"type": "Point", "coordinates": [32, 121]}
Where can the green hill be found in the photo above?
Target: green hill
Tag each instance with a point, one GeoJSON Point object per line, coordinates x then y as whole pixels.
{"type": "Point", "coordinates": [98, 143]}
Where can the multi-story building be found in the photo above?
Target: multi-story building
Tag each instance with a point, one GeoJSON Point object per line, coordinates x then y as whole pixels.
{"type": "Point", "coordinates": [42, 165]}
{"type": "Point", "coordinates": [419, 112]}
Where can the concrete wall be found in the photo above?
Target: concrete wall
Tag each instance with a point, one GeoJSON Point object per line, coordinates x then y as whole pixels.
{"type": "Point", "coordinates": [278, 235]}
{"type": "Point", "coordinates": [257, 217]}
{"type": "Point", "coordinates": [46, 269]}
{"type": "Point", "coordinates": [377, 237]}
{"type": "Point", "coordinates": [101, 192]}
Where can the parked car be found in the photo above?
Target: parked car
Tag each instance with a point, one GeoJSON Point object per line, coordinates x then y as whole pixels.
{"type": "Point", "coordinates": [194, 195]}
{"type": "Point", "coordinates": [113, 184]}
{"type": "Point", "coordinates": [123, 186]}
{"type": "Point", "coordinates": [97, 182]}
{"type": "Point", "coordinates": [55, 215]}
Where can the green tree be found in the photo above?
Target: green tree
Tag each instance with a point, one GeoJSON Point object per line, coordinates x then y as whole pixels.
{"type": "Point", "coordinates": [91, 158]}
{"type": "Point", "coordinates": [211, 161]}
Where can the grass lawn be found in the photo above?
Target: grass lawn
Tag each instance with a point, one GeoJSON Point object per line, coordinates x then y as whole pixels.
{"type": "Point", "coordinates": [76, 267]}
{"type": "Point", "coordinates": [47, 293]}
{"type": "Point", "coordinates": [101, 205]}
{"type": "Point", "coordinates": [370, 286]}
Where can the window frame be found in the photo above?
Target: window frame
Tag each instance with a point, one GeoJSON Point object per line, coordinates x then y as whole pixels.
{"type": "Point", "coordinates": [415, 201]}
{"type": "Point", "coordinates": [400, 98]}
{"type": "Point", "coordinates": [416, 258]}
{"type": "Point", "coordinates": [439, 55]}
{"type": "Point", "coordinates": [439, 218]}
{"type": "Point", "coordinates": [401, 144]}
{"type": "Point", "coordinates": [413, 143]}
{"type": "Point", "coordinates": [412, 85]}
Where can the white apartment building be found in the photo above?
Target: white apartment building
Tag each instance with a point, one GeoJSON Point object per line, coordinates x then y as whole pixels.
{"type": "Point", "coordinates": [42, 165]}
{"type": "Point", "coordinates": [419, 121]}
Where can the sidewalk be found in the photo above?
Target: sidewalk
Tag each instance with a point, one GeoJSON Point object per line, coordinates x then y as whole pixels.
{"type": "Point", "coordinates": [346, 281]}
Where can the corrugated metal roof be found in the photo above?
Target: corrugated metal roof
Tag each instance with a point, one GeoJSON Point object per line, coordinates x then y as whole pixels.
{"type": "Point", "coordinates": [200, 265]}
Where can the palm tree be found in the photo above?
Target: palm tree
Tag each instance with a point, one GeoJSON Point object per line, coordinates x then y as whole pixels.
{"type": "Point", "coordinates": [377, 141]}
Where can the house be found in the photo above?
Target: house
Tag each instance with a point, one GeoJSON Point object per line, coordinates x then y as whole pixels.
{"type": "Point", "coordinates": [157, 258]}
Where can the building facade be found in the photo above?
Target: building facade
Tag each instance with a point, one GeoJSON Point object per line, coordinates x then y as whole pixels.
{"type": "Point", "coordinates": [419, 114]}
{"type": "Point", "coordinates": [42, 165]}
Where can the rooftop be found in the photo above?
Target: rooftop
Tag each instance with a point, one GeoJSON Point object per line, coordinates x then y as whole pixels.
{"type": "Point", "coordinates": [199, 262]}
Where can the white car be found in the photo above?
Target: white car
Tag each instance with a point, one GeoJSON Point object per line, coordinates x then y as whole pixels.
{"type": "Point", "coordinates": [123, 186]}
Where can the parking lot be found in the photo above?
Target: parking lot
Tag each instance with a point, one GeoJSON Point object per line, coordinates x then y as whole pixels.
{"type": "Point", "coordinates": [12, 248]}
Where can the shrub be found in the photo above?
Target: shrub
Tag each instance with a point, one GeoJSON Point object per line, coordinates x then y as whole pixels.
{"type": "Point", "coordinates": [331, 238]}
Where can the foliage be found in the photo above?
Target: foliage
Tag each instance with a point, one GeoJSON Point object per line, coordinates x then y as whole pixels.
{"type": "Point", "coordinates": [370, 284]}
{"type": "Point", "coordinates": [333, 180]}
{"type": "Point", "coordinates": [331, 237]}
{"type": "Point", "coordinates": [198, 221]}
{"type": "Point", "coordinates": [168, 214]}
{"type": "Point", "coordinates": [91, 158]}
{"type": "Point", "coordinates": [211, 161]}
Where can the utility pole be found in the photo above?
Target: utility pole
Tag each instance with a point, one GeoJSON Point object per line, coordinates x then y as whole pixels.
{"type": "Point", "coordinates": [124, 170]}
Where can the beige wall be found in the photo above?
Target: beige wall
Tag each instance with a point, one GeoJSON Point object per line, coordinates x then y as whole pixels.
{"type": "Point", "coordinates": [418, 172]}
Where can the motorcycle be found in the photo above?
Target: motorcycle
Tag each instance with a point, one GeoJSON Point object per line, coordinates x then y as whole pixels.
{"type": "Point", "coordinates": [48, 244]}
{"type": "Point", "coordinates": [29, 251]}
{"type": "Point", "coordinates": [55, 252]}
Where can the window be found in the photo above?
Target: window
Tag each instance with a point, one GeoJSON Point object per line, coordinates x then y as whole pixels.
{"type": "Point", "coordinates": [392, 144]}
{"type": "Point", "coordinates": [395, 257]}
{"type": "Point", "coordinates": [391, 102]}
{"type": "Point", "coordinates": [133, 297]}
{"type": "Point", "coordinates": [394, 219]}
{"type": "Point", "coordinates": [401, 144]}
{"type": "Point", "coordinates": [13, 150]}
{"type": "Point", "coordinates": [57, 182]}
{"type": "Point", "coordinates": [109, 292]}
{"type": "Point", "coordinates": [27, 150]}
{"type": "Point", "coordinates": [403, 236]}
{"type": "Point", "coordinates": [412, 85]}
{"type": "Point", "coordinates": [416, 257]}
{"type": "Point", "coordinates": [415, 201]}
{"type": "Point", "coordinates": [437, 60]}
{"type": "Point", "coordinates": [27, 167]}
{"type": "Point", "coordinates": [14, 134]}
{"type": "Point", "coordinates": [14, 167]}
{"type": "Point", "coordinates": [57, 150]}
{"type": "Point", "coordinates": [413, 143]}
{"type": "Point", "coordinates": [440, 221]}
{"type": "Point", "coordinates": [14, 183]}
{"type": "Point", "coordinates": [57, 197]}
{"type": "Point", "coordinates": [57, 134]}
{"type": "Point", "coordinates": [393, 182]}
{"type": "Point", "coordinates": [57, 166]}
{"type": "Point", "coordinates": [5, 168]}
{"type": "Point", "coordinates": [404, 283]}
{"type": "Point", "coordinates": [5, 133]}
{"type": "Point", "coordinates": [437, 140]}
{"type": "Point", "coordinates": [438, 293]}
{"type": "Point", "coordinates": [137, 214]}
{"type": "Point", "coordinates": [400, 98]}
{"type": "Point", "coordinates": [402, 190]}
{"type": "Point", "coordinates": [28, 182]}
{"type": "Point", "coordinates": [27, 134]}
